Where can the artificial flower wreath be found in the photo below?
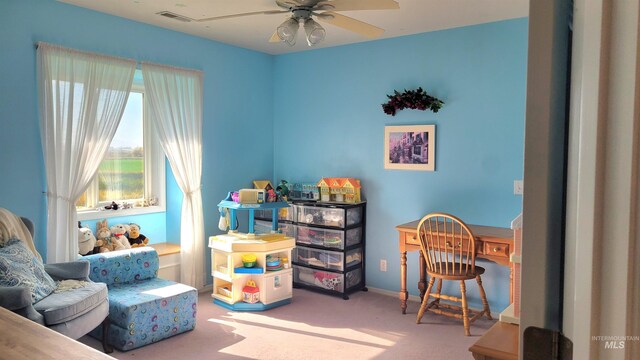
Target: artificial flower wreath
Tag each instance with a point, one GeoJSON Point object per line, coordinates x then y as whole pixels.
{"type": "Point", "coordinates": [411, 99]}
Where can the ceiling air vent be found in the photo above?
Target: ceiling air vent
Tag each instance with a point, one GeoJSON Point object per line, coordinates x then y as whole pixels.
{"type": "Point", "coordinates": [174, 16]}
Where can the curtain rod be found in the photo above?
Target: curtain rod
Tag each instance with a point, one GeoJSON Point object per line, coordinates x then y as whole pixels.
{"type": "Point", "coordinates": [83, 52]}
{"type": "Point", "coordinates": [138, 63]}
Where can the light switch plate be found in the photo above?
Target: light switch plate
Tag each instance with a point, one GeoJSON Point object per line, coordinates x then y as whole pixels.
{"type": "Point", "coordinates": [518, 186]}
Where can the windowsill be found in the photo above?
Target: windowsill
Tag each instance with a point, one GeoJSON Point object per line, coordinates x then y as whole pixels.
{"type": "Point", "coordinates": [166, 248]}
{"type": "Point", "coordinates": [103, 214]}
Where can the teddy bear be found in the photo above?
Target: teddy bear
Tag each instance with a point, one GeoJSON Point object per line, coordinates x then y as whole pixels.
{"type": "Point", "coordinates": [135, 238]}
{"type": "Point", "coordinates": [105, 242]}
{"type": "Point", "coordinates": [117, 234]}
{"type": "Point", "coordinates": [86, 241]}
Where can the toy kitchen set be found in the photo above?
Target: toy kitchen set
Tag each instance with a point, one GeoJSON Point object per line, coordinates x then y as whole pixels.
{"type": "Point", "coordinates": [251, 272]}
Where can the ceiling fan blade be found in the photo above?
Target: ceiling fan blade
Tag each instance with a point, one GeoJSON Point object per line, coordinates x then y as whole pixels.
{"type": "Point", "coordinates": [348, 5]}
{"type": "Point", "coordinates": [275, 38]}
{"type": "Point", "coordinates": [268, 12]}
{"type": "Point", "coordinates": [351, 24]}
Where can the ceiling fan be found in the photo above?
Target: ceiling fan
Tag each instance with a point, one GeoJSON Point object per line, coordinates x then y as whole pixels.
{"type": "Point", "coordinates": [303, 12]}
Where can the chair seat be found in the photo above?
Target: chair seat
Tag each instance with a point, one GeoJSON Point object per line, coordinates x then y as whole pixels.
{"type": "Point", "coordinates": [455, 273]}
{"type": "Point", "coordinates": [65, 306]}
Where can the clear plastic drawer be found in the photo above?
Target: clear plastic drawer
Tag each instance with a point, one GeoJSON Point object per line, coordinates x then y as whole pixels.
{"type": "Point", "coordinates": [324, 237]}
{"type": "Point", "coordinates": [319, 258]}
{"type": "Point", "coordinates": [317, 278]}
{"type": "Point", "coordinates": [327, 280]}
{"type": "Point", "coordinates": [329, 216]}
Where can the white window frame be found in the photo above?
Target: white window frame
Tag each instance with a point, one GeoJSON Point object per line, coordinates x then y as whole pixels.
{"type": "Point", "coordinates": [154, 174]}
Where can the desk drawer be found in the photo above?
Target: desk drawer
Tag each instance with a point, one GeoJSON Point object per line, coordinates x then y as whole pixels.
{"type": "Point", "coordinates": [411, 238]}
{"type": "Point", "coordinates": [496, 249]}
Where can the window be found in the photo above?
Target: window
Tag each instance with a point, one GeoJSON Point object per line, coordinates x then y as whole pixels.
{"type": "Point", "coordinates": [133, 167]}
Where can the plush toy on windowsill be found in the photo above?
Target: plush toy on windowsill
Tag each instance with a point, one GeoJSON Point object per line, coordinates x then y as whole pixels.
{"type": "Point", "coordinates": [135, 238]}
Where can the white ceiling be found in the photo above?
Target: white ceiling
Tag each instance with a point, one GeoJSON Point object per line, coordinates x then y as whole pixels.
{"type": "Point", "coordinates": [253, 32]}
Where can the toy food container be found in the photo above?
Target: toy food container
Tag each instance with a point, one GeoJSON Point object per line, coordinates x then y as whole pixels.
{"type": "Point", "coordinates": [248, 260]}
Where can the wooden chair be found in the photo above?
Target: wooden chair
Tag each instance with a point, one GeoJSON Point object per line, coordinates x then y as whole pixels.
{"type": "Point", "coordinates": [448, 247]}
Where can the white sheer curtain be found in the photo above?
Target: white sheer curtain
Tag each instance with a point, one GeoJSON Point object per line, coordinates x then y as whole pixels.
{"type": "Point", "coordinates": [82, 97]}
{"type": "Point", "coordinates": [175, 106]}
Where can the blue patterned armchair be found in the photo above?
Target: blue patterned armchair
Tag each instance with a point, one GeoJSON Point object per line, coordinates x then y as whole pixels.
{"type": "Point", "coordinates": [143, 308]}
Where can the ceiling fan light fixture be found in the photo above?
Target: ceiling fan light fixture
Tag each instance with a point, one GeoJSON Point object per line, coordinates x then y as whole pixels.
{"type": "Point", "coordinates": [315, 32]}
{"type": "Point", "coordinates": [288, 30]}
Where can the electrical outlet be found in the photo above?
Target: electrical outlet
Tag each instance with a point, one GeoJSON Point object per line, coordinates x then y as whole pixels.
{"type": "Point", "coordinates": [518, 186]}
{"type": "Point", "coordinates": [383, 265]}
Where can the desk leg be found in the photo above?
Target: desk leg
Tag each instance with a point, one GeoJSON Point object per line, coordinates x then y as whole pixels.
{"type": "Point", "coordinates": [404, 295]}
{"type": "Point", "coordinates": [422, 283]}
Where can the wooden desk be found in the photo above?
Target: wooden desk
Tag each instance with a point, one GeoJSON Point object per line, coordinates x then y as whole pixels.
{"type": "Point", "coordinates": [24, 339]}
{"type": "Point", "coordinates": [499, 343]}
{"type": "Point", "coordinates": [492, 243]}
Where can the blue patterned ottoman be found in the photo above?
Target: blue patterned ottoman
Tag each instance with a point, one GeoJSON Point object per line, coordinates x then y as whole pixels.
{"type": "Point", "coordinates": [143, 308]}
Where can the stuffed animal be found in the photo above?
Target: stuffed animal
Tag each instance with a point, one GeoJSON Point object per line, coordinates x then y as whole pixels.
{"type": "Point", "coordinates": [135, 238]}
{"type": "Point", "coordinates": [117, 234]}
{"type": "Point", "coordinates": [105, 242]}
{"type": "Point", "coordinates": [86, 241]}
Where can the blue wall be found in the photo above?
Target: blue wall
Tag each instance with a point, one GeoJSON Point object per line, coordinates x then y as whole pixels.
{"type": "Point", "coordinates": [237, 100]}
{"type": "Point", "coordinates": [301, 117]}
{"type": "Point", "coordinates": [328, 122]}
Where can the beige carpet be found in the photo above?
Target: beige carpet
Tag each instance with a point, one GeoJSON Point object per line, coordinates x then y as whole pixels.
{"type": "Point", "coordinates": [315, 326]}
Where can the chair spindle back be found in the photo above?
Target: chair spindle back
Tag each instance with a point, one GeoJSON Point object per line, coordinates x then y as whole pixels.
{"type": "Point", "coordinates": [447, 242]}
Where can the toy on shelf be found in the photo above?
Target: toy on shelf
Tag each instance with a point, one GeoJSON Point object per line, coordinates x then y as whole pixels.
{"type": "Point", "coordinates": [273, 263]}
{"type": "Point", "coordinates": [282, 190]}
{"type": "Point", "coordinates": [345, 190]}
{"type": "Point", "coordinates": [248, 260]}
{"type": "Point", "coordinates": [262, 185]}
{"type": "Point", "coordinates": [135, 238]}
{"type": "Point", "coordinates": [86, 241]}
{"type": "Point", "coordinates": [251, 196]}
{"type": "Point", "coordinates": [272, 196]}
{"type": "Point", "coordinates": [250, 292]}
{"type": "Point", "coordinates": [305, 191]}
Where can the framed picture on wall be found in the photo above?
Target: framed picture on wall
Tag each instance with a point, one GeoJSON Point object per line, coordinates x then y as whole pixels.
{"type": "Point", "coordinates": [411, 147]}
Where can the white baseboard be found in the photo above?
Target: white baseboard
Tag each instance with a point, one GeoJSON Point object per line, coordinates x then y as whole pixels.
{"type": "Point", "coordinates": [413, 298]}
{"type": "Point", "coordinates": [392, 293]}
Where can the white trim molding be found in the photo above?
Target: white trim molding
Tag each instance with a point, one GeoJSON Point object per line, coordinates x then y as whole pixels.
{"type": "Point", "coordinates": [601, 284]}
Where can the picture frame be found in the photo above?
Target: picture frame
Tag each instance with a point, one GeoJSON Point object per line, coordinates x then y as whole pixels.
{"type": "Point", "coordinates": [410, 147]}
